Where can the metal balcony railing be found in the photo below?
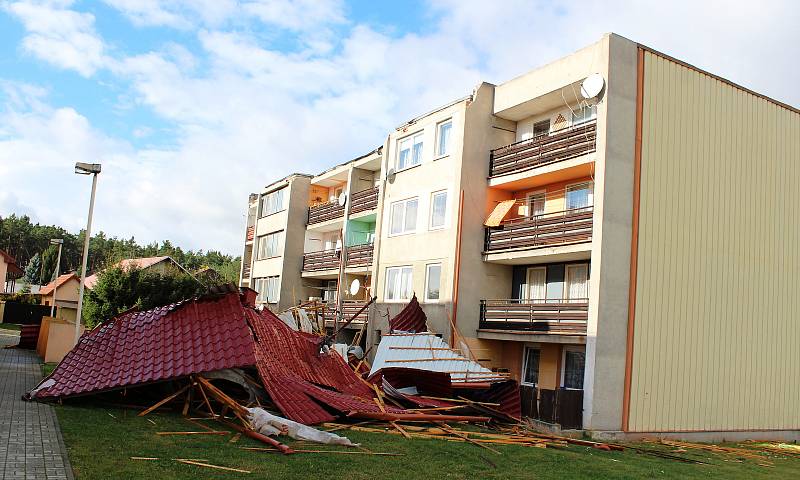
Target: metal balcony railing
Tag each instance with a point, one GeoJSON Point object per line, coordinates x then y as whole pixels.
{"type": "Point", "coordinates": [545, 316]}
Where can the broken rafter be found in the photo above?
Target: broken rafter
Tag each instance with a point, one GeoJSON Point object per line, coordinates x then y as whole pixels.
{"type": "Point", "coordinates": [162, 402]}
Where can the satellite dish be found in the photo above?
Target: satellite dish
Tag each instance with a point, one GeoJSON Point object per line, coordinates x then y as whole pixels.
{"type": "Point", "coordinates": [342, 199]}
{"type": "Point", "coordinates": [354, 286]}
{"type": "Point", "coordinates": [390, 175]}
{"type": "Point", "coordinates": [592, 86]}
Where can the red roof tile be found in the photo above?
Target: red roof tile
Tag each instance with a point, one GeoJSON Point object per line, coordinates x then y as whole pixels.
{"type": "Point", "coordinates": [411, 319]}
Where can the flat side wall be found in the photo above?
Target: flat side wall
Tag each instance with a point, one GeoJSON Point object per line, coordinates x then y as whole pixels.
{"type": "Point", "coordinates": [716, 318]}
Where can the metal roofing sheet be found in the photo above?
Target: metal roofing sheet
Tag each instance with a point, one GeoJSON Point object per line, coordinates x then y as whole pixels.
{"type": "Point", "coordinates": [410, 319]}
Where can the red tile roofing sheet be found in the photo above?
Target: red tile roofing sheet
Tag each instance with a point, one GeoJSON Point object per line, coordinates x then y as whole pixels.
{"type": "Point", "coordinates": [410, 319]}
{"type": "Point", "coordinates": [167, 342]}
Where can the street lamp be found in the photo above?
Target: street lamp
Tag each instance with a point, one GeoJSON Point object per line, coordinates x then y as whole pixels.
{"type": "Point", "coordinates": [59, 242]}
{"type": "Point", "coordinates": [85, 169]}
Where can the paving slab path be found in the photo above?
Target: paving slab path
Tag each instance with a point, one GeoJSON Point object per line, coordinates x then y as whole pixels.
{"type": "Point", "coordinates": [31, 446]}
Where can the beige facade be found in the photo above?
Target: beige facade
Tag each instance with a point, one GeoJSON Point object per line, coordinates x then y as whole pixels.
{"type": "Point", "coordinates": [640, 252]}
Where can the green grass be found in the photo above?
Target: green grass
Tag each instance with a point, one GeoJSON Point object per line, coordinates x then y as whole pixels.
{"type": "Point", "coordinates": [100, 446]}
{"type": "Point", "coordinates": [10, 326]}
{"type": "Point", "coordinates": [47, 368]}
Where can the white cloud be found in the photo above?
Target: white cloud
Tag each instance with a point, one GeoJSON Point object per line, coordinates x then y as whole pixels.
{"type": "Point", "coordinates": [59, 35]}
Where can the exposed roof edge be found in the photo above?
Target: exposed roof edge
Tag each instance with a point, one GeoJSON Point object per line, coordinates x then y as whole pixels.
{"type": "Point", "coordinates": [439, 109]}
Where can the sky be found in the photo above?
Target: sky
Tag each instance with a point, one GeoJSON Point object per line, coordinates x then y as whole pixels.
{"type": "Point", "coordinates": [190, 105]}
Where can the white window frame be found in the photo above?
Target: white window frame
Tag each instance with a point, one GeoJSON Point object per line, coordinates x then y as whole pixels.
{"type": "Point", "coordinates": [264, 297]}
{"type": "Point", "coordinates": [276, 239]}
{"type": "Point", "coordinates": [266, 198]}
{"type": "Point", "coordinates": [428, 279]}
{"type": "Point", "coordinates": [431, 226]}
{"type": "Point", "coordinates": [528, 284]}
{"type": "Point", "coordinates": [529, 202]}
{"type": "Point", "coordinates": [404, 204]}
{"type": "Point", "coordinates": [439, 153]}
{"type": "Point", "coordinates": [589, 200]}
{"type": "Point", "coordinates": [583, 118]}
{"type": "Point", "coordinates": [565, 292]}
{"type": "Point", "coordinates": [564, 350]}
{"type": "Point", "coordinates": [399, 284]}
{"type": "Point", "coordinates": [525, 364]}
{"type": "Point", "coordinates": [412, 137]}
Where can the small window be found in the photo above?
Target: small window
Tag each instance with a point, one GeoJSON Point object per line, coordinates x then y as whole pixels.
{"type": "Point", "coordinates": [398, 283]}
{"type": "Point", "coordinates": [541, 129]}
{"type": "Point", "coordinates": [403, 217]}
{"type": "Point", "coordinates": [530, 374]}
{"type": "Point", "coordinates": [536, 202]}
{"type": "Point", "coordinates": [438, 210]}
{"type": "Point", "coordinates": [433, 280]}
{"type": "Point", "coordinates": [272, 202]}
{"type": "Point", "coordinates": [584, 114]}
{"type": "Point", "coordinates": [269, 245]}
{"type": "Point", "coordinates": [409, 151]}
{"type": "Point", "coordinates": [443, 133]}
{"type": "Point", "coordinates": [579, 196]}
{"type": "Point", "coordinates": [574, 365]}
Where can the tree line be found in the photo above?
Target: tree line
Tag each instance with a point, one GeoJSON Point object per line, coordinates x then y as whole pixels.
{"type": "Point", "coordinates": [29, 244]}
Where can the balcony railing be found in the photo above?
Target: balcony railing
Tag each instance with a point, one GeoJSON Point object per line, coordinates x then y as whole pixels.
{"type": "Point", "coordinates": [324, 260]}
{"type": "Point", "coordinates": [246, 271]}
{"type": "Point", "coordinates": [568, 226]}
{"type": "Point", "coordinates": [557, 146]}
{"type": "Point", "coordinates": [359, 255]}
{"type": "Point", "coordinates": [364, 200]}
{"type": "Point", "coordinates": [349, 308]}
{"type": "Point", "coordinates": [251, 231]}
{"type": "Point", "coordinates": [556, 317]}
{"type": "Point", "coordinates": [324, 212]}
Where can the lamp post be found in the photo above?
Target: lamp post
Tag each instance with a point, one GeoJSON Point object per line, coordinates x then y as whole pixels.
{"type": "Point", "coordinates": [85, 169]}
{"type": "Point", "coordinates": [59, 242]}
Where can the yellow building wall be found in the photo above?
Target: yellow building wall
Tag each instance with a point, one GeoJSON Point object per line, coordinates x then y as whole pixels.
{"type": "Point", "coordinates": [555, 196]}
{"type": "Point", "coordinates": [717, 326]}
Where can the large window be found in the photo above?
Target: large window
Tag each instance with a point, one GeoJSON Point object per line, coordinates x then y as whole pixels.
{"type": "Point", "coordinates": [267, 288]}
{"type": "Point", "coordinates": [577, 284]}
{"type": "Point", "coordinates": [409, 151]}
{"type": "Point", "coordinates": [272, 202]}
{"type": "Point", "coordinates": [530, 373]}
{"type": "Point", "coordinates": [574, 364]}
{"type": "Point", "coordinates": [398, 283]}
{"type": "Point", "coordinates": [269, 245]}
{"type": "Point", "coordinates": [433, 280]}
{"type": "Point", "coordinates": [579, 196]}
{"type": "Point", "coordinates": [403, 217]}
{"type": "Point", "coordinates": [443, 134]}
{"type": "Point", "coordinates": [438, 209]}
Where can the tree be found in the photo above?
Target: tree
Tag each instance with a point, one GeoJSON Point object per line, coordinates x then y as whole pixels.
{"type": "Point", "coordinates": [49, 257]}
{"type": "Point", "coordinates": [118, 290]}
{"type": "Point", "coordinates": [32, 271]}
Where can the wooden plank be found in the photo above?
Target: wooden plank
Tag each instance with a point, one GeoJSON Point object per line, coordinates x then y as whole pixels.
{"type": "Point", "coordinates": [162, 402]}
{"type": "Point", "coordinates": [208, 465]}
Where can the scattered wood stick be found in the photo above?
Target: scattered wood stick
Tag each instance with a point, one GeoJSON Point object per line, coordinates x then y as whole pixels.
{"type": "Point", "coordinates": [235, 438]}
{"type": "Point", "coordinates": [212, 432]}
{"type": "Point", "coordinates": [162, 402]}
{"type": "Point", "coordinates": [208, 465]}
{"type": "Point", "coordinates": [342, 452]}
{"type": "Point", "coordinates": [447, 428]}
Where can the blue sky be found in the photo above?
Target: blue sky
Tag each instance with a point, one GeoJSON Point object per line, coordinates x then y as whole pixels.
{"type": "Point", "coordinates": [191, 105]}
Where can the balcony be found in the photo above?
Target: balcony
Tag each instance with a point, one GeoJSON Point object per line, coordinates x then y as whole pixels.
{"type": "Point", "coordinates": [364, 201]}
{"type": "Point", "coordinates": [325, 212]}
{"type": "Point", "coordinates": [251, 231]}
{"type": "Point", "coordinates": [541, 317]}
{"type": "Point", "coordinates": [323, 260]}
{"type": "Point", "coordinates": [349, 308]}
{"type": "Point", "coordinates": [246, 271]}
{"type": "Point", "coordinates": [359, 255]}
{"type": "Point", "coordinates": [557, 146]}
{"type": "Point", "coordinates": [549, 229]}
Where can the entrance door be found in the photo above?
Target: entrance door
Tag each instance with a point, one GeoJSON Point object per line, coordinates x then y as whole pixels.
{"type": "Point", "coordinates": [576, 288]}
{"type": "Point", "coordinates": [537, 284]}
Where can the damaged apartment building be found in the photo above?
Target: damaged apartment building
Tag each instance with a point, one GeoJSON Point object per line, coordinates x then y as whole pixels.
{"type": "Point", "coordinates": [616, 230]}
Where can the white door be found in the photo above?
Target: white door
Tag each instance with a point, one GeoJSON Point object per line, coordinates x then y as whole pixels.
{"type": "Point", "coordinates": [577, 284]}
{"type": "Point", "coordinates": [537, 284]}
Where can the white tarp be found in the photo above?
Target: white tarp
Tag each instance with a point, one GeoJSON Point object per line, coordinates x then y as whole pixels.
{"type": "Point", "coordinates": [268, 424]}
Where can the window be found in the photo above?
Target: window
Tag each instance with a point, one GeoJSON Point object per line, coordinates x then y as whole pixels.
{"type": "Point", "coordinates": [577, 285]}
{"type": "Point", "coordinates": [438, 209]}
{"type": "Point", "coordinates": [269, 245]}
{"type": "Point", "coordinates": [579, 196]}
{"type": "Point", "coordinates": [574, 364]}
{"type": "Point", "coordinates": [272, 203]}
{"type": "Point", "coordinates": [537, 284]}
{"type": "Point", "coordinates": [530, 369]}
{"type": "Point", "coordinates": [409, 151]}
{"type": "Point", "coordinates": [536, 202]}
{"type": "Point", "coordinates": [267, 289]}
{"type": "Point", "coordinates": [541, 129]}
{"type": "Point", "coordinates": [398, 283]}
{"type": "Point", "coordinates": [433, 280]}
{"type": "Point", "coordinates": [330, 293]}
{"type": "Point", "coordinates": [584, 114]}
{"type": "Point", "coordinates": [403, 218]}
{"type": "Point", "coordinates": [443, 138]}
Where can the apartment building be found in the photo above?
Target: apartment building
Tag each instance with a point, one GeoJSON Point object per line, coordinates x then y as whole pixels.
{"type": "Point", "coordinates": [617, 230]}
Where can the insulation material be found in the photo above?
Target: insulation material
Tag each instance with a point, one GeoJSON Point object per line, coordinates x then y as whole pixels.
{"type": "Point", "coordinates": [410, 319]}
{"type": "Point", "coordinates": [499, 213]}
{"type": "Point", "coordinates": [268, 424]}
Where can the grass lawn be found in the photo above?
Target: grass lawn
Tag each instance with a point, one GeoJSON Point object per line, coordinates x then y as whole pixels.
{"type": "Point", "coordinates": [101, 441]}
{"type": "Point", "coordinates": [10, 326]}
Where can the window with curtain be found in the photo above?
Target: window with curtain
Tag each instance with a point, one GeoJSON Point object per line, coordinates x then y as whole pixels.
{"type": "Point", "coordinates": [443, 138]}
{"type": "Point", "coordinates": [267, 288]}
{"type": "Point", "coordinates": [536, 203]}
{"type": "Point", "coordinates": [537, 284]}
{"type": "Point", "coordinates": [403, 217]}
{"type": "Point", "coordinates": [578, 282]}
{"type": "Point", "coordinates": [530, 375]}
{"type": "Point", "coordinates": [409, 151]}
{"type": "Point", "coordinates": [579, 196]}
{"type": "Point", "coordinates": [433, 279]}
{"type": "Point", "coordinates": [272, 202]}
{"type": "Point", "coordinates": [438, 209]}
{"type": "Point", "coordinates": [398, 283]}
{"type": "Point", "coordinates": [269, 245]}
{"type": "Point", "coordinates": [574, 364]}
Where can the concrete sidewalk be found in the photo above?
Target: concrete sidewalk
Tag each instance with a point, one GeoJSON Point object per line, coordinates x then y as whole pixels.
{"type": "Point", "coordinates": [31, 446]}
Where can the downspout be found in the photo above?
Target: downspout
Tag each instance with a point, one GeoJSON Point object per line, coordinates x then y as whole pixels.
{"type": "Point", "coordinates": [457, 272]}
{"type": "Point", "coordinates": [376, 246]}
